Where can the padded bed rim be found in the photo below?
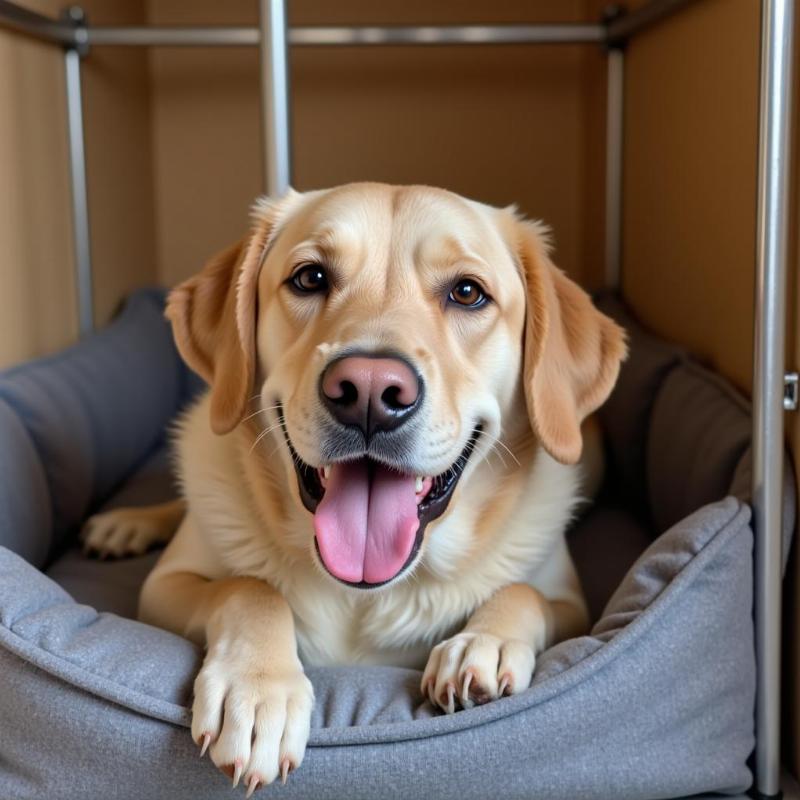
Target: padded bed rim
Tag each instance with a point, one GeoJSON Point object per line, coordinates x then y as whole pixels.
{"type": "Point", "coordinates": [737, 516]}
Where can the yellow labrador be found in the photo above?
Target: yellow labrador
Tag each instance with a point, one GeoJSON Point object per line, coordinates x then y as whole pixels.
{"type": "Point", "coordinates": [384, 464]}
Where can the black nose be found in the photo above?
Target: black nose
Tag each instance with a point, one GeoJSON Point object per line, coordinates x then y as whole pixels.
{"type": "Point", "coordinates": [370, 392]}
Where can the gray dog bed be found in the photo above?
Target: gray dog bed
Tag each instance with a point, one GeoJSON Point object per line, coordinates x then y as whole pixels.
{"type": "Point", "coordinates": [657, 701]}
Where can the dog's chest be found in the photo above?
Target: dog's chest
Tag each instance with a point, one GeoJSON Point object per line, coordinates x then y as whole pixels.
{"type": "Point", "coordinates": [340, 627]}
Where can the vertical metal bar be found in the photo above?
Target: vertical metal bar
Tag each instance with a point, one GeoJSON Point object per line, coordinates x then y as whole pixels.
{"type": "Point", "coordinates": [615, 107]}
{"type": "Point", "coordinates": [768, 364]}
{"type": "Point", "coordinates": [80, 207]}
{"type": "Point", "coordinates": [274, 96]}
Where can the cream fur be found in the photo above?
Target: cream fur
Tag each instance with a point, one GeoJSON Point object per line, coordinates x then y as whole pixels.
{"type": "Point", "coordinates": [492, 583]}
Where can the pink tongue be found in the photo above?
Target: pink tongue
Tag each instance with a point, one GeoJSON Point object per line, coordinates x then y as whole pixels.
{"type": "Point", "coordinates": [366, 527]}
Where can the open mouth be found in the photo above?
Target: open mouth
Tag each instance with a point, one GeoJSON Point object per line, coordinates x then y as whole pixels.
{"type": "Point", "coordinates": [370, 518]}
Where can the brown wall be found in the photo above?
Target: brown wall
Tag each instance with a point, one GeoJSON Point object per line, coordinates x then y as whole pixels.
{"type": "Point", "coordinates": [503, 124]}
{"type": "Point", "coordinates": [36, 295]}
{"type": "Point", "coordinates": [690, 178]}
{"type": "Point", "coordinates": [37, 301]}
{"type": "Point", "coordinates": [119, 161]}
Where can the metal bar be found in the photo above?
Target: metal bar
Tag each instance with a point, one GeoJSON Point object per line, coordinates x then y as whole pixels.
{"type": "Point", "coordinates": [447, 34]}
{"type": "Point", "coordinates": [143, 36]}
{"type": "Point", "coordinates": [80, 207]}
{"type": "Point", "coordinates": [618, 31]}
{"type": "Point", "coordinates": [347, 36]}
{"type": "Point", "coordinates": [623, 27]}
{"type": "Point", "coordinates": [768, 364]}
{"type": "Point", "coordinates": [21, 20]}
{"type": "Point", "coordinates": [275, 97]}
{"type": "Point", "coordinates": [615, 108]}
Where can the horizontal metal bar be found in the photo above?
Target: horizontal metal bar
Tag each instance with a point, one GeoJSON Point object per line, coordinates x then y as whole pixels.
{"type": "Point", "coordinates": [14, 17]}
{"type": "Point", "coordinates": [623, 27]}
{"type": "Point", "coordinates": [447, 34]}
{"type": "Point", "coordinates": [146, 36]}
{"type": "Point", "coordinates": [21, 20]}
{"type": "Point", "coordinates": [346, 36]}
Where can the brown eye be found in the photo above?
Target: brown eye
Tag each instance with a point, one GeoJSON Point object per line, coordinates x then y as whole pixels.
{"type": "Point", "coordinates": [310, 279]}
{"type": "Point", "coordinates": [468, 293]}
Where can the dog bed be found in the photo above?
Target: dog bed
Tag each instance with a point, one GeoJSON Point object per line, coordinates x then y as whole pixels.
{"type": "Point", "coordinates": [656, 701]}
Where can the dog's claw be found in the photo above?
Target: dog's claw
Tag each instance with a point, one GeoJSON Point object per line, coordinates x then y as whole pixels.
{"type": "Point", "coordinates": [465, 687]}
{"type": "Point", "coordinates": [286, 768]}
{"type": "Point", "coordinates": [252, 785]}
{"type": "Point", "coordinates": [451, 698]}
{"type": "Point", "coordinates": [504, 681]}
{"type": "Point", "coordinates": [431, 696]}
{"type": "Point", "coordinates": [237, 772]}
{"type": "Point", "coordinates": [206, 741]}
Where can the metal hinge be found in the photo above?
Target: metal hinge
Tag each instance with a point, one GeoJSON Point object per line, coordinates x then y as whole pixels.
{"type": "Point", "coordinates": [790, 391]}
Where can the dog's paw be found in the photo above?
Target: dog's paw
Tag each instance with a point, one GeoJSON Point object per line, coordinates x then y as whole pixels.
{"type": "Point", "coordinates": [124, 532]}
{"type": "Point", "coordinates": [255, 724]}
{"type": "Point", "coordinates": [473, 668]}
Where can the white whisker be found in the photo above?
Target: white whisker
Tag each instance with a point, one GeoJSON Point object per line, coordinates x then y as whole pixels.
{"type": "Point", "coordinates": [495, 452]}
{"type": "Point", "coordinates": [263, 433]}
{"type": "Point", "coordinates": [495, 440]}
{"type": "Point", "coordinates": [260, 411]}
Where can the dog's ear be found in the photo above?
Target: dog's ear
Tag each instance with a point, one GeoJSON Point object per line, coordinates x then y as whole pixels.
{"type": "Point", "coordinates": [213, 316]}
{"type": "Point", "coordinates": [572, 352]}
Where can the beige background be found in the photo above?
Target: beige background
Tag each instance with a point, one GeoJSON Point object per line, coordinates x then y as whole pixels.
{"type": "Point", "coordinates": [502, 124]}
{"type": "Point", "coordinates": [37, 297]}
{"type": "Point", "coordinates": [174, 159]}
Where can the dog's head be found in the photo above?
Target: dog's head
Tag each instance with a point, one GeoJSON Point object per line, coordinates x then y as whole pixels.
{"type": "Point", "coordinates": [389, 336]}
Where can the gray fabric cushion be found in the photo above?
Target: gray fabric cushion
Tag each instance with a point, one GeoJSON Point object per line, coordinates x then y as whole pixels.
{"type": "Point", "coordinates": [604, 545]}
{"type": "Point", "coordinates": [91, 414]}
{"type": "Point", "coordinates": [625, 417]}
{"type": "Point", "coordinates": [114, 585]}
{"type": "Point", "coordinates": [697, 420]}
{"type": "Point", "coordinates": [106, 698]}
{"type": "Point", "coordinates": [26, 514]}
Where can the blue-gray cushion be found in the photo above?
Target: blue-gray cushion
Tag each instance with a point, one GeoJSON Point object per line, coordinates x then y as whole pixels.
{"type": "Point", "coordinates": [91, 414]}
{"type": "Point", "coordinates": [625, 417]}
{"type": "Point", "coordinates": [114, 585]}
{"type": "Point", "coordinates": [698, 420]}
{"type": "Point", "coordinates": [656, 702]}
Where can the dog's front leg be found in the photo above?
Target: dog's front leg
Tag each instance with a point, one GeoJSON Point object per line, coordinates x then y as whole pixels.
{"type": "Point", "coordinates": [496, 652]}
{"type": "Point", "coordinates": [252, 701]}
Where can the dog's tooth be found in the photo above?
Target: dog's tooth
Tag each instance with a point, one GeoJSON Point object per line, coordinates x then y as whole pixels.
{"type": "Point", "coordinates": [418, 484]}
{"type": "Point", "coordinates": [326, 471]}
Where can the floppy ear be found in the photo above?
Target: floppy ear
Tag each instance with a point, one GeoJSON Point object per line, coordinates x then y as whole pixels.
{"type": "Point", "coordinates": [572, 352]}
{"type": "Point", "coordinates": [213, 316]}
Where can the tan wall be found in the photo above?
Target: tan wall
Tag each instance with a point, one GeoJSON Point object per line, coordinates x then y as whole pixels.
{"type": "Point", "coordinates": [690, 178]}
{"type": "Point", "coordinates": [504, 124]}
{"type": "Point", "coordinates": [427, 115]}
{"type": "Point", "coordinates": [37, 300]}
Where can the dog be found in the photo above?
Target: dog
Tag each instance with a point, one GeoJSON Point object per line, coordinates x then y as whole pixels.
{"type": "Point", "coordinates": [384, 464]}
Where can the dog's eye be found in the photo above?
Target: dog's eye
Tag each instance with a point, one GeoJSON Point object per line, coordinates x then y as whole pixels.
{"type": "Point", "coordinates": [468, 293]}
{"type": "Point", "coordinates": [309, 279]}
